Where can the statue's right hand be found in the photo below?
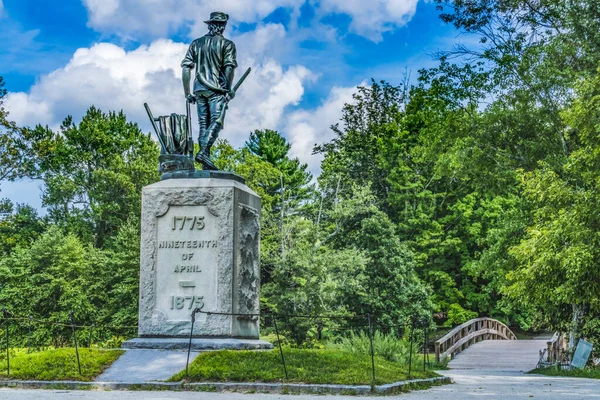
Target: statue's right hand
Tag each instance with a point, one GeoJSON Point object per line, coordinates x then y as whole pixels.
{"type": "Point", "coordinates": [191, 98]}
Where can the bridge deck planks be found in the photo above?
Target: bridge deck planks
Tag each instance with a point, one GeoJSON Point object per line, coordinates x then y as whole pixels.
{"type": "Point", "coordinates": [500, 355]}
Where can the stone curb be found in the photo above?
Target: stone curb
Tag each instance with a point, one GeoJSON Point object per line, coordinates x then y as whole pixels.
{"type": "Point", "coordinates": [279, 388]}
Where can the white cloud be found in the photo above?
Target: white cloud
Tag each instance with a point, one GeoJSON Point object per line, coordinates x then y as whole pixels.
{"type": "Point", "coordinates": [104, 75]}
{"type": "Point", "coordinates": [159, 17]}
{"type": "Point", "coordinates": [2, 12]}
{"type": "Point", "coordinates": [107, 76]}
{"type": "Point", "coordinates": [372, 18]}
{"type": "Point", "coordinates": [305, 128]}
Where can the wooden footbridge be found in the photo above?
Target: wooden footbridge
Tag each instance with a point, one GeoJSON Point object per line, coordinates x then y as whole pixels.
{"type": "Point", "coordinates": [487, 344]}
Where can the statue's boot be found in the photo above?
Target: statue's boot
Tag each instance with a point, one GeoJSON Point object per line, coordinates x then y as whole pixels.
{"type": "Point", "coordinates": [206, 142]}
{"type": "Point", "coordinates": [206, 163]}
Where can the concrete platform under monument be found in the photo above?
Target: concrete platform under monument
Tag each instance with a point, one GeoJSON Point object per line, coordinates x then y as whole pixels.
{"type": "Point", "coordinates": [198, 344]}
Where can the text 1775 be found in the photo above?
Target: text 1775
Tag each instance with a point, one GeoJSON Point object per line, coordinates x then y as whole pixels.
{"type": "Point", "coordinates": [191, 222]}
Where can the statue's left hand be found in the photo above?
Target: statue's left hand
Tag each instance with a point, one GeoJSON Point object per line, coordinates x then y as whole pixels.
{"type": "Point", "coordinates": [231, 94]}
{"type": "Point", "coordinates": [191, 98]}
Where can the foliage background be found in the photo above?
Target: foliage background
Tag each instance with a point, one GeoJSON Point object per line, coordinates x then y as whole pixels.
{"type": "Point", "coordinates": [471, 192]}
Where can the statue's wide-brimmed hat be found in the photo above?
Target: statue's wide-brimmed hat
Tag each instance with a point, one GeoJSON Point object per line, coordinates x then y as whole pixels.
{"type": "Point", "coordinates": [217, 16]}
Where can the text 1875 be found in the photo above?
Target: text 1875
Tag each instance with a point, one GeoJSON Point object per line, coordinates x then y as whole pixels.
{"type": "Point", "coordinates": [189, 302]}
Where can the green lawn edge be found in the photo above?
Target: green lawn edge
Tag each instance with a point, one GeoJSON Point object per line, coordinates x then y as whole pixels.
{"type": "Point", "coordinates": [590, 373]}
{"type": "Point", "coordinates": [303, 366]}
{"type": "Point", "coordinates": [58, 364]}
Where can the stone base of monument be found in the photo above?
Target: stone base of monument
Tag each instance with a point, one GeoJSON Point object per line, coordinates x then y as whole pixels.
{"type": "Point", "coordinates": [198, 344]}
{"type": "Point", "coordinates": [200, 247]}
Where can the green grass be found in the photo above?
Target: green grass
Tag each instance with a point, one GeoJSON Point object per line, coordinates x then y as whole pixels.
{"type": "Point", "coordinates": [593, 373]}
{"type": "Point", "coordinates": [418, 362]}
{"type": "Point", "coordinates": [306, 366]}
{"type": "Point", "coordinates": [58, 364]}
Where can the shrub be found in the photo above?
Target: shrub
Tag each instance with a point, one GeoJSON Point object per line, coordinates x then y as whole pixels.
{"type": "Point", "coordinates": [458, 315]}
{"type": "Point", "coordinates": [388, 347]}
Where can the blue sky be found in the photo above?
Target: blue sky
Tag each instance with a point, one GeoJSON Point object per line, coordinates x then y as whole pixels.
{"type": "Point", "coordinates": [60, 57]}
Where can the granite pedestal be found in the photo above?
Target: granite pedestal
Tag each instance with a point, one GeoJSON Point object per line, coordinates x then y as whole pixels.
{"type": "Point", "coordinates": [200, 249]}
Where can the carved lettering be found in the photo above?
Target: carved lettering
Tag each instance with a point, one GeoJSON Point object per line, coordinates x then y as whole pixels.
{"type": "Point", "coordinates": [192, 269]}
{"type": "Point", "coordinates": [194, 223]}
{"type": "Point", "coordinates": [179, 302]}
{"type": "Point", "coordinates": [188, 244]}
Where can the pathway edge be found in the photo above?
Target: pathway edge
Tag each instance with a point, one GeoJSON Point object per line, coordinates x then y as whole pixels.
{"type": "Point", "coordinates": [280, 388]}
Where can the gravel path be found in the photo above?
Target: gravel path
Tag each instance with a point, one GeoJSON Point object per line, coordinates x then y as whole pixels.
{"type": "Point", "coordinates": [146, 365]}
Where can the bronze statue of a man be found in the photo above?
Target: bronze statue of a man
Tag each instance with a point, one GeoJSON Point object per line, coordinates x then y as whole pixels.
{"type": "Point", "coordinates": [214, 59]}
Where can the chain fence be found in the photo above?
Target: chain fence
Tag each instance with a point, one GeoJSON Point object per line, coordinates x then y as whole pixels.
{"type": "Point", "coordinates": [366, 323]}
{"type": "Point", "coordinates": [36, 334]}
{"type": "Point", "coordinates": [20, 332]}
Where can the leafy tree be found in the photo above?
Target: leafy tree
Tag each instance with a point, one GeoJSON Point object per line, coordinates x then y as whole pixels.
{"type": "Point", "coordinates": [312, 279]}
{"type": "Point", "coordinates": [19, 228]}
{"type": "Point", "coordinates": [558, 273]}
{"type": "Point", "coordinates": [392, 290]}
{"type": "Point", "coordinates": [117, 283]}
{"type": "Point", "coordinates": [294, 185]}
{"type": "Point", "coordinates": [49, 279]}
{"type": "Point", "coordinates": [353, 154]}
{"type": "Point", "coordinates": [15, 161]}
{"type": "Point", "coordinates": [260, 175]}
{"type": "Point", "coordinates": [403, 149]}
{"type": "Point", "coordinates": [94, 172]}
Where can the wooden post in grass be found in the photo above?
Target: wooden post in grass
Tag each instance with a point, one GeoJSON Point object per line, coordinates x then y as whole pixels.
{"type": "Point", "coordinates": [5, 311]}
{"type": "Point", "coordinates": [72, 317]}
{"type": "Point", "coordinates": [372, 352]}
{"type": "Point", "coordinates": [280, 349]}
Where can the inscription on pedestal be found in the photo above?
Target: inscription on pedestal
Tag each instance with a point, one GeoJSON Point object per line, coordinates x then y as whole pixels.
{"type": "Point", "coordinates": [187, 243]}
{"type": "Point", "coordinates": [199, 249]}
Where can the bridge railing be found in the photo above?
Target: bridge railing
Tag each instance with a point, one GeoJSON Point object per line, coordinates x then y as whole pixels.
{"type": "Point", "coordinates": [471, 332]}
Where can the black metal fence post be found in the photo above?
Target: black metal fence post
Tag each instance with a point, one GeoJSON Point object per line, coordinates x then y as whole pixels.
{"type": "Point", "coordinates": [187, 362]}
{"type": "Point", "coordinates": [5, 311]}
{"type": "Point", "coordinates": [412, 328]}
{"type": "Point", "coordinates": [427, 354]}
{"type": "Point", "coordinates": [90, 339]}
{"type": "Point", "coordinates": [72, 317]}
{"type": "Point", "coordinates": [280, 349]}
{"type": "Point", "coordinates": [102, 335]}
{"type": "Point", "coordinates": [29, 334]}
{"type": "Point", "coordinates": [425, 349]}
{"type": "Point", "coordinates": [372, 352]}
